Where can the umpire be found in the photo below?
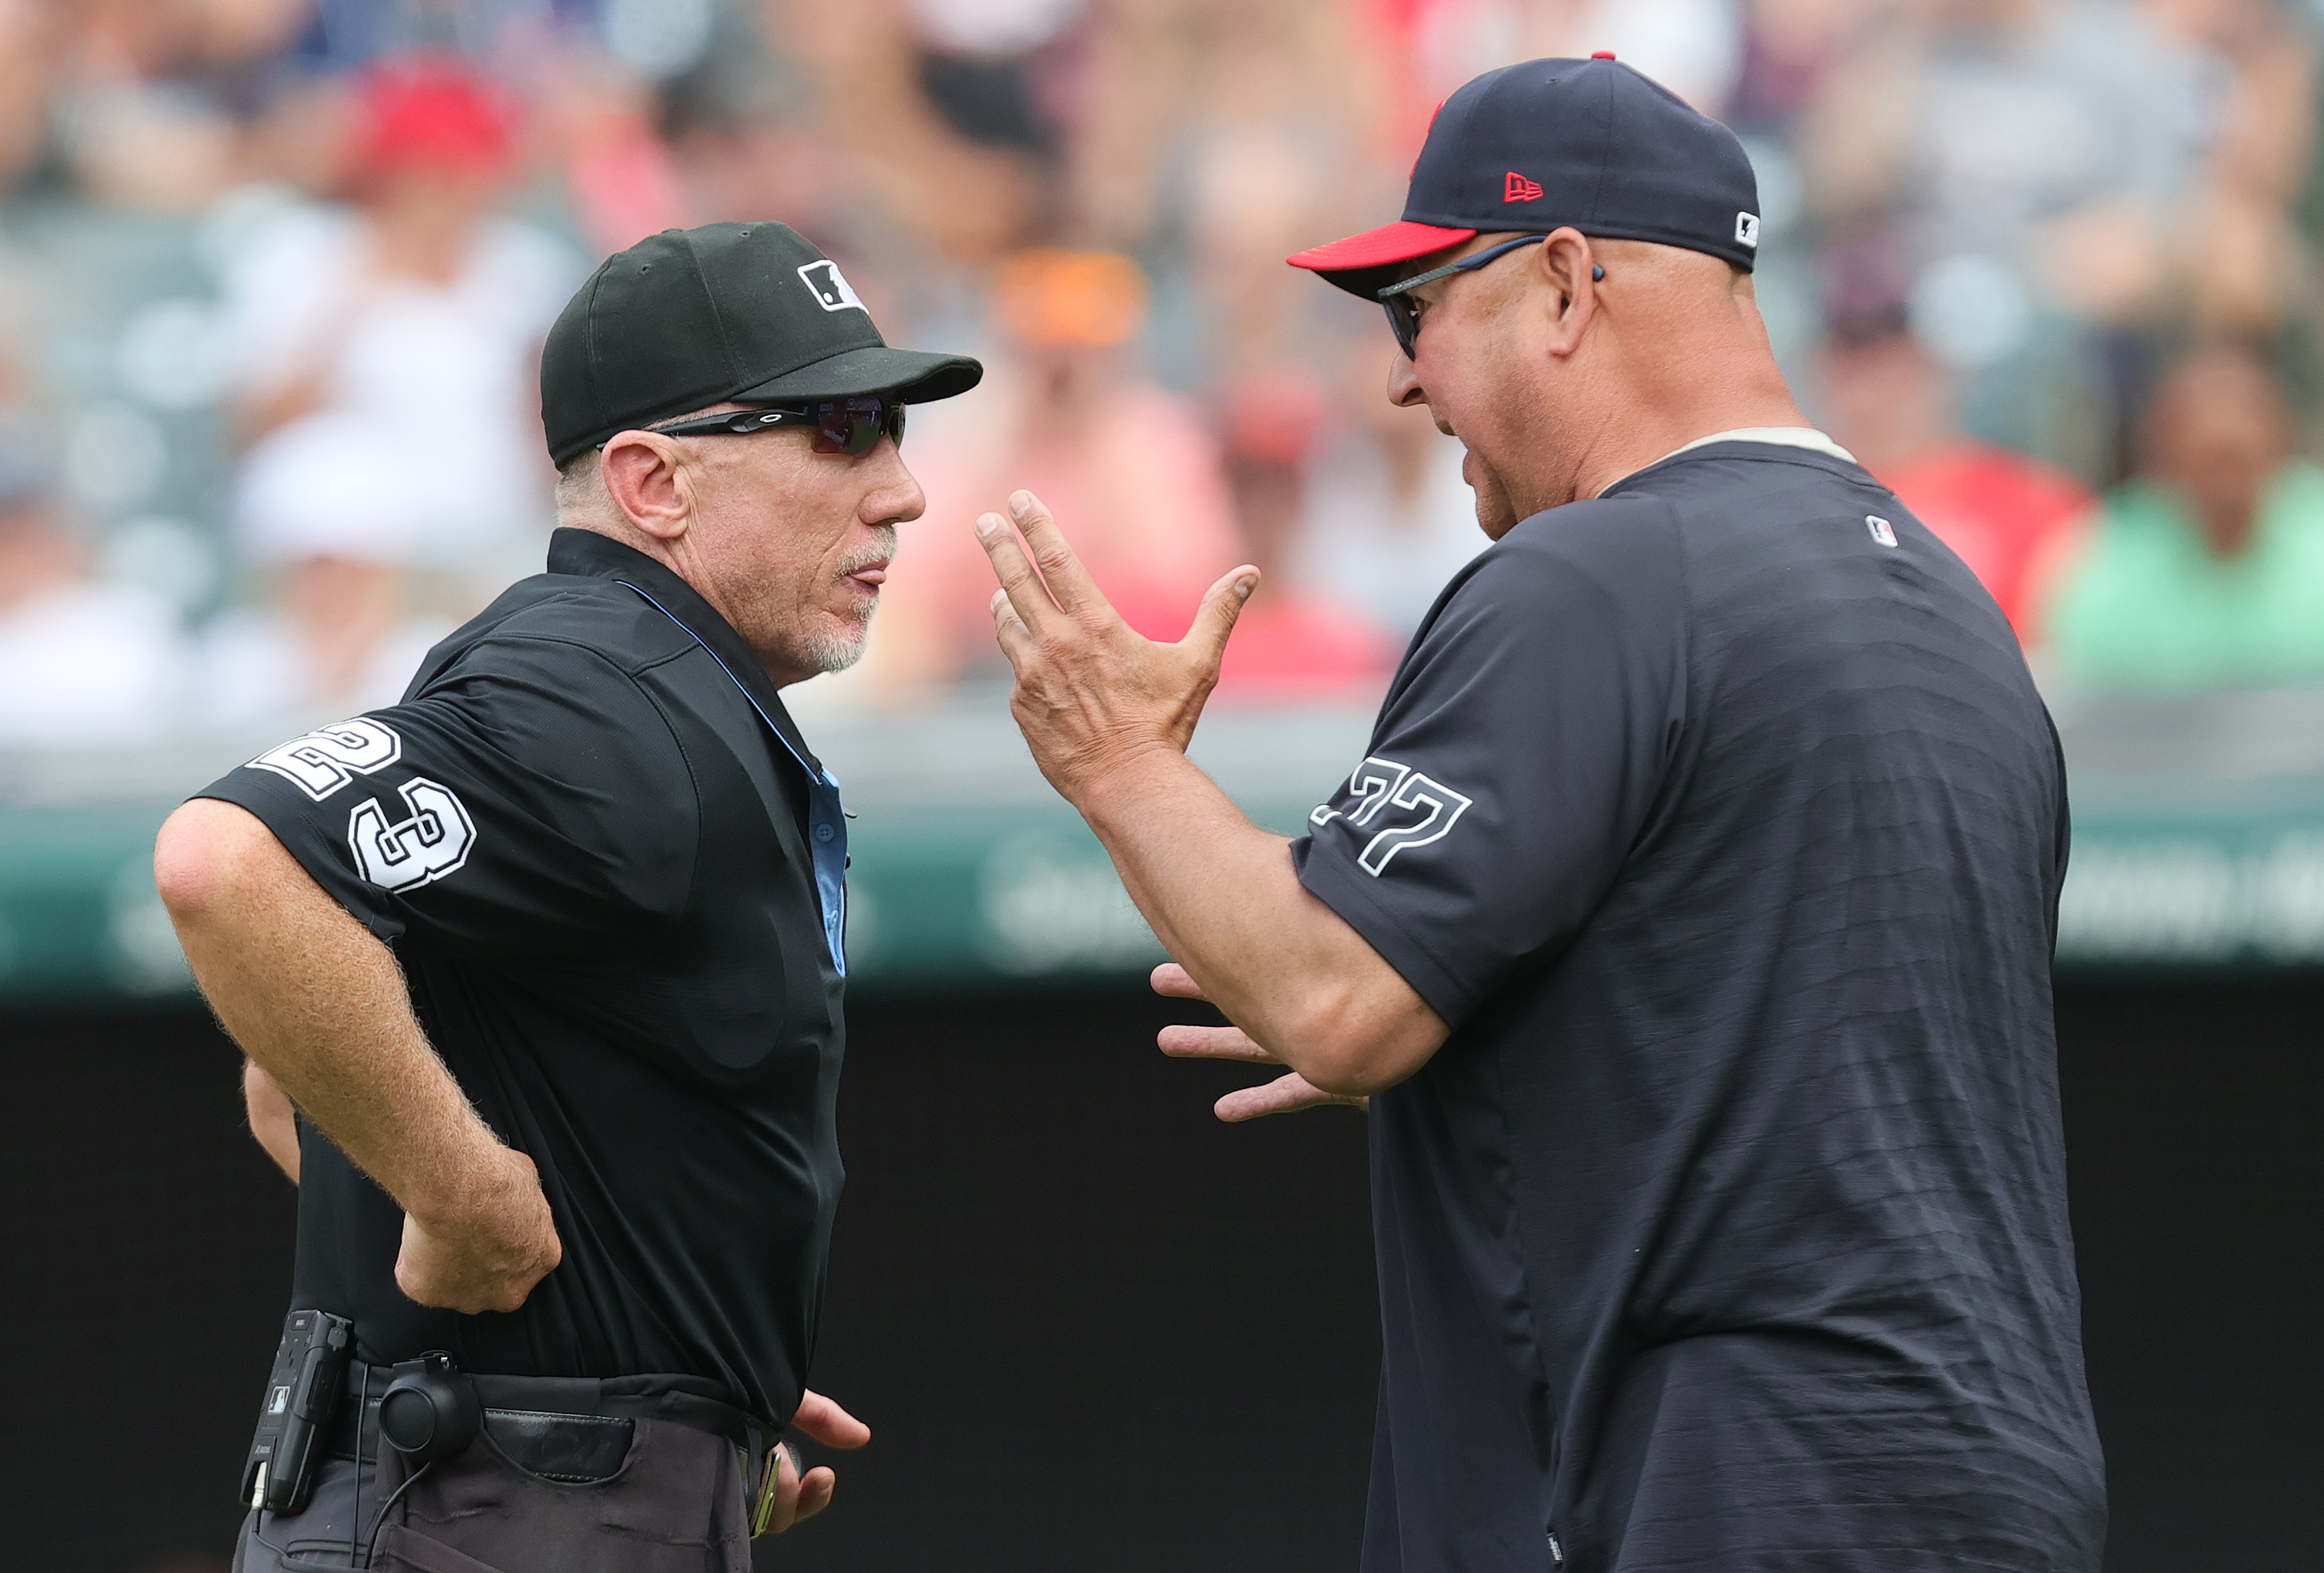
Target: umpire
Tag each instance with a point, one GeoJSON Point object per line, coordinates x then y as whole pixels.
{"type": "Point", "coordinates": [1688, 923]}
{"type": "Point", "coordinates": [549, 958]}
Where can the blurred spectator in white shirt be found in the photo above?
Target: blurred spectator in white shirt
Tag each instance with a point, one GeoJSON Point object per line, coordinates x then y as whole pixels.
{"type": "Point", "coordinates": [81, 662]}
{"type": "Point", "coordinates": [419, 312]}
{"type": "Point", "coordinates": [328, 509]}
{"type": "Point", "coordinates": [1389, 519]}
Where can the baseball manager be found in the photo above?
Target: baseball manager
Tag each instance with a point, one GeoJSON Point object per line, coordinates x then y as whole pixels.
{"type": "Point", "coordinates": [549, 958]}
{"type": "Point", "coordinates": [1688, 924]}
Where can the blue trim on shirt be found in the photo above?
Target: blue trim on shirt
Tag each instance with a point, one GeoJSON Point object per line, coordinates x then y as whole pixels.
{"type": "Point", "coordinates": [826, 821]}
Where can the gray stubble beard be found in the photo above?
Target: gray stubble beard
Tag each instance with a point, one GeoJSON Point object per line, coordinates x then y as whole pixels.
{"type": "Point", "coordinates": [829, 653]}
{"type": "Point", "coordinates": [836, 653]}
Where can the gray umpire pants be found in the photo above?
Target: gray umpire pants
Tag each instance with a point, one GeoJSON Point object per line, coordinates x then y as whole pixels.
{"type": "Point", "coordinates": [675, 1505]}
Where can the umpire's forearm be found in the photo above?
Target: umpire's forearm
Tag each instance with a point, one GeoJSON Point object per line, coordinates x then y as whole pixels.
{"type": "Point", "coordinates": [319, 1005]}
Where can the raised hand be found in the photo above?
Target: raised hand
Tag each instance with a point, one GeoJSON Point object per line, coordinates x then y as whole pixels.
{"type": "Point", "coordinates": [1108, 715]}
{"type": "Point", "coordinates": [1090, 691]}
{"type": "Point", "coordinates": [1287, 1094]}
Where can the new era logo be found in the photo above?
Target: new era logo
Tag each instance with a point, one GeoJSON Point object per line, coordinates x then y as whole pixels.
{"type": "Point", "coordinates": [1747, 230]}
{"type": "Point", "coordinates": [832, 290]}
{"type": "Point", "coordinates": [1516, 187]}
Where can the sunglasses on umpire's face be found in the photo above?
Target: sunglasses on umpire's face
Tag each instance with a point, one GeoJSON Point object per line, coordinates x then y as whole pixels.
{"type": "Point", "coordinates": [852, 426]}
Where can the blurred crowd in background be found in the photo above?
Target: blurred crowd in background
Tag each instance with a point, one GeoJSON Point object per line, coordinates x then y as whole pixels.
{"type": "Point", "coordinates": [274, 274]}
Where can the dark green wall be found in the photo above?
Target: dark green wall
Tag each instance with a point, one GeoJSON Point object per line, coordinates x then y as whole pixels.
{"type": "Point", "coordinates": [1092, 1329]}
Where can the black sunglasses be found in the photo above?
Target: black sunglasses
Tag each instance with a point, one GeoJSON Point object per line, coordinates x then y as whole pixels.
{"type": "Point", "coordinates": [853, 427]}
{"type": "Point", "coordinates": [1404, 313]}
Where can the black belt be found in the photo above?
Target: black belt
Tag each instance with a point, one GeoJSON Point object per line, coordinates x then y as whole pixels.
{"type": "Point", "coordinates": [563, 1428]}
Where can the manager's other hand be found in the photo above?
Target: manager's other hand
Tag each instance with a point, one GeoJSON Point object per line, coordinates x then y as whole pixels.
{"type": "Point", "coordinates": [1287, 1094]}
{"type": "Point", "coordinates": [1090, 692]}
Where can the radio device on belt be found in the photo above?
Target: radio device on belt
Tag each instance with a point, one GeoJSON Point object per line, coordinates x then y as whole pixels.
{"type": "Point", "coordinates": [309, 1367]}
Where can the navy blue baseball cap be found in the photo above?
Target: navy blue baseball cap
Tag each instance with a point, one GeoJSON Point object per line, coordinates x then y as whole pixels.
{"type": "Point", "coordinates": [1535, 147]}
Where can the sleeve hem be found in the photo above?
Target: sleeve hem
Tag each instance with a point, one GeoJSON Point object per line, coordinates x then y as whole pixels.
{"type": "Point", "coordinates": [333, 882]}
{"type": "Point", "coordinates": [1446, 992]}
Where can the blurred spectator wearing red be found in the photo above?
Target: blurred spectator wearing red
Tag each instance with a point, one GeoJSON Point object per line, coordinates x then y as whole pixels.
{"type": "Point", "coordinates": [1889, 403]}
{"type": "Point", "coordinates": [1294, 640]}
{"type": "Point", "coordinates": [418, 311]}
{"type": "Point", "coordinates": [1067, 411]}
{"type": "Point", "coordinates": [621, 179]}
{"type": "Point", "coordinates": [2206, 570]}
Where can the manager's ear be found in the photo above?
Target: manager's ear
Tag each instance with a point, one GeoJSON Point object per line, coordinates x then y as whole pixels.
{"type": "Point", "coordinates": [648, 484]}
{"type": "Point", "coordinates": [1566, 274]}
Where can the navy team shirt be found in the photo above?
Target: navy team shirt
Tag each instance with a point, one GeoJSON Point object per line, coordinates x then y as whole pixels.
{"type": "Point", "coordinates": [1720, 820]}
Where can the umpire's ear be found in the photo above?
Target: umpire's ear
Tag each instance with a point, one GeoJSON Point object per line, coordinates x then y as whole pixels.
{"type": "Point", "coordinates": [649, 488]}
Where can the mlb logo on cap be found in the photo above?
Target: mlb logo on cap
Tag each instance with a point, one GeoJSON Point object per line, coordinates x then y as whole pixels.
{"type": "Point", "coordinates": [1540, 146]}
{"type": "Point", "coordinates": [832, 290]}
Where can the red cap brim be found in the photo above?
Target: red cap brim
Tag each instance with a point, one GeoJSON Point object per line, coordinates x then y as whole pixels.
{"type": "Point", "coordinates": [1380, 248]}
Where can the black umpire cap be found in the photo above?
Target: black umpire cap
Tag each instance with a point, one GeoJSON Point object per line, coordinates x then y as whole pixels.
{"type": "Point", "coordinates": [1532, 147]}
{"type": "Point", "coordinates": [749, 312]}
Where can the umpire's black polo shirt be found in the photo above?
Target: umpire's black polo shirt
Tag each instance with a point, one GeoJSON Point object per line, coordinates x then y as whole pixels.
{"type": "Point", "coordinates": [612, 872]}
{"type": "Point", "coordinates": [1720, 820]}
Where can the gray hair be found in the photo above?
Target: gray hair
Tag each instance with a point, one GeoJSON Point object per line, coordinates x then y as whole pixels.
{"type": "Point", "coordinates": [581, 479]}
{"type": "Point", "coordinates": [580, 487]}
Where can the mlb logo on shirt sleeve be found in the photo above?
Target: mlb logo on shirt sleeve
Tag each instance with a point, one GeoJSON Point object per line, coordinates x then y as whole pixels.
{"type": "Point", "coordinates": [833, 292]}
